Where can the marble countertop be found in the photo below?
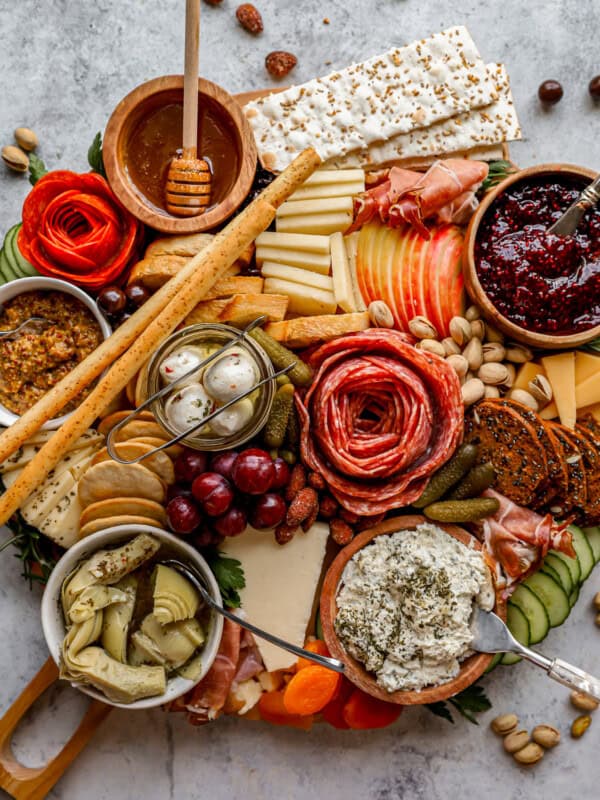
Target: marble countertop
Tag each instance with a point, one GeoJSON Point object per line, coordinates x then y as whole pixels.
{"type": "Point", "coordinates": [64, 66]}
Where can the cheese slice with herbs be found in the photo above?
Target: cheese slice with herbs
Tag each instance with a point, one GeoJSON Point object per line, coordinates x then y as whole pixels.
{"type": "Point", "coordinates": [62, 522]}
{"type": "Point", "coordinates": [396, 92]}
{"type": "Point", "coordinates": [40, 504]}
{"type": "Point", "coordinates": [26, 452]}
{"type": "Point", "coordinates": [281, 582]}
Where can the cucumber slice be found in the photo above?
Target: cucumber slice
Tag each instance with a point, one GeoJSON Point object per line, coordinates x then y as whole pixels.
{"type": "Point", "coordinates": [519, 627]}
{"type": "Point", "coordinates": [548, 569]}
{"type": "Point", "coordinates": [17, 260]}
{"type": "Point", "coordinates": [574, 596]}
{"type": "Point", "coordinates": [534, 610]}
{"type": "Point", "coordinates": [561, 569]}
{"type": "Point", "coordinates": [552, 595]}
{"type": "Point", "coordinates": [2, 278]}
{"type": "Point", "coordinates": [495, 661]}
{"type": "Point", "coordinates": [593, 537]}
{"type": "Point", "coordinates": [583, 550]}
{"type": "Point", "coordinates": [572, 565]}
{"type": "Point", "coordinates": [5, 268]}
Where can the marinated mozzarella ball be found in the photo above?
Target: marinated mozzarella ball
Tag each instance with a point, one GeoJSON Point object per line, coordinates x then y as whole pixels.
{"type": "Point", "coordinates": [233, 419]}
{"type": "Point", "coordinates": [189, 406]}
{"type": "Point", "coordinates": [180, 362]}
{"type": "Point", "coordinates": [231, 375]}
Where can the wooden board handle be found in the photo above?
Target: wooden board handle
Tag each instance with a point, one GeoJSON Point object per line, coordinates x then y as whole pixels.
{"type": "Point", "coordinates": [34, 783]}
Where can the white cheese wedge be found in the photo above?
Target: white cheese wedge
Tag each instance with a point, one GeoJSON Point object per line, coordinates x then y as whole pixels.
{"type": "Point", "coordinates": [351, 244]}
{"type": "Point", "coordinates": [24, 454]}
{"type": "Point", "coordinates": [326, 205]}
{"type": "Point", "coordinates": [40, 504]}
{"type": "Point", "coordinates": [315, 223]}
{"type": "Point", "coordinates": [342, 280]}
{"type": "Point", "coordinates": [281, 582]}
{"type": "Point", "coordinates": [296, 275]}
{"type": "Point", "coordinates": [304, 300]}
{"type": "Point", "coordinates": [62, 523]}
{"type": "Point", "coordinates": [8, 478]}
{"type": "Point", "coordinates": [294, 241]}
{"type": "Point", "coordinates": [313, 262]}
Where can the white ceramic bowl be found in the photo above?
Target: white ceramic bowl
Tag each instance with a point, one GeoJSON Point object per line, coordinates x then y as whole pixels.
{"type": "Point", "coordinates": [53, 622]}
{"type": "Point", "coordinates": [14, 288]}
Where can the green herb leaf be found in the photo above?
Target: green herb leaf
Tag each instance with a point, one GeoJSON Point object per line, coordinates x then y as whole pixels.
{"type": "Point", "coordinates": [497, 172]}
{"type": "Point", "coordinates": [229, 575]}
{"type": "Point", "coordinates": [94, 155]}
{"type": "Point", "coordinates": [595, 346]}
{"type": "Point", "coordinates": [471, 700]}
{"type": "Point", "coordinates": [37, 169]}
{"type": "Point", "coordinates": [440, 709]}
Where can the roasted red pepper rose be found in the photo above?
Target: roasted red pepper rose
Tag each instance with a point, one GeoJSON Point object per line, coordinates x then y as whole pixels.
{"type": "Point", "coordinates": [74, 228]}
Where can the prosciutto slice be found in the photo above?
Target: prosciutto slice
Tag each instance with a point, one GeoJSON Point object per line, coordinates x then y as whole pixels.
{"type": "Point", "coordinates": [446, 191]}
{"type": "Point", "coordinates": [518, 539]}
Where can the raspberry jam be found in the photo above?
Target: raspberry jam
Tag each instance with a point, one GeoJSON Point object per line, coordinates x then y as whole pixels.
{"type": "Point", "coordinates": [542, 282]}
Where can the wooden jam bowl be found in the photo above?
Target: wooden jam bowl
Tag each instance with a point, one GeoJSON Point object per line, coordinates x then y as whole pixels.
{"type": "Point", "coordinates": [472, 667]}
{"type": "Point", "coordinates": [545, 341]}
{"type": "Point", "coordinates": [148, 97]}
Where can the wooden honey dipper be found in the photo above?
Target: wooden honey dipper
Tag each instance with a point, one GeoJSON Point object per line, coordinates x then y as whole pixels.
{"type": "Point", "coordinates": [189, 180]}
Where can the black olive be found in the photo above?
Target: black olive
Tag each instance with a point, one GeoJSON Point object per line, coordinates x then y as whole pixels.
{"type": "Point", "coordinates": [550, 92]}
{"type": "Point", "coordinates": [112, 300]}
{"type": "Point", "coordinates": [137, 294]}
{"type": "Point", "coordinates": [594, 87]}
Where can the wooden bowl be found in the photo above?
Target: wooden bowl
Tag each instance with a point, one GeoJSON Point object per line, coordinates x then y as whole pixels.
{"type": "Point", "coordinates": [148, 97]}
{"type": "Point", "coordinates": [545, 341]}
{"type": "Point", "coordinates": [472, 667]}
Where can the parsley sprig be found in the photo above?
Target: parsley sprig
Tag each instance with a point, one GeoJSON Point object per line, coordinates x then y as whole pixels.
{"type": "Point", "coordinates": [229, 575]}
{"type": "Point", "coordinates": [94, 155]}
{"type": "Point", "coordinates": [470, 701]}
{"type": "Point", "coordinates": [37, 169]}
{"type": "Point", "coordinates": [37, 554]}
{"type": "Point", "coordinates": [497, 172]}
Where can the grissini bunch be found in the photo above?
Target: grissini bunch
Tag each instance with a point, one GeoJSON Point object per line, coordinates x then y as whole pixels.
{"type": "Point", "coordinates": [142, 334]}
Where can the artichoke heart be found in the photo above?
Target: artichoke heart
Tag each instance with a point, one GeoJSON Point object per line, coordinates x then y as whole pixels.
{"type": "Point", "coordinates": [92, 599]}
{"type": "Point", "coordinates": [109, 566]}
{"type": "Point", "coordinates": [191, 670]}
{"type": "Point", "coordinates": [172, 644]}
{"type": "Point", "coordinates": [117, 619]}
{"type": "Point", "coordinates": [82, 634]}
{"type": "Point", "coordinates": [119, 682]}
{"type": "Point", "coordinates": [175, 598]}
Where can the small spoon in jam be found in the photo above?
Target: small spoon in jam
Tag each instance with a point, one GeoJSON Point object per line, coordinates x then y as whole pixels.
{"type": "Point", "coordinates": [568, 222]}
{"type": "Point", "coordinates": [189, 180]}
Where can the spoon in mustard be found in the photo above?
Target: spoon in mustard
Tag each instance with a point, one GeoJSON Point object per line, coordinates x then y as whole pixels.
{"type": "Point", "coordinates": [566, 224]}
{"type": "Point", "coordinates": [491, 635]}
{"type": "Point", "coordinates": [37, 324]}
{"type": "Point", "coordinates": [195, 579]}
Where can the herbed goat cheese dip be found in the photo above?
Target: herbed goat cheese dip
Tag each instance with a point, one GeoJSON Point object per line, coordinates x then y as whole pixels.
{"type": "Point", "coordinates": [405, 604]}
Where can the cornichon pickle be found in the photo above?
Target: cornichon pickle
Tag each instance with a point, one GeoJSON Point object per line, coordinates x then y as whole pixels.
{"type": "Point", "coordinates": [275, 428]}
{"type": "Point", "coordinates": [462, 510]}
{"type": "Point", "coordinates": [300, 374]}
{"type": "Point", "coordinates": [475, 482]}
{"type": "Point", "coordinates": [289, 457]}
{"type": "Point", "coordinates": [292, 434]}
{"type": "Point", "coordinates": [458, 466]}
{"type": "Point", "coordinates": [282, 380]}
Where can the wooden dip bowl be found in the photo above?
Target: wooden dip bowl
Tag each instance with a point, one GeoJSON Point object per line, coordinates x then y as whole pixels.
{"type": "Point", "coordinates": [471, 668]}
{"type": "Point", "coordinates": [122, 133]}
{"type": "Point", "coordinates": [545, 341]}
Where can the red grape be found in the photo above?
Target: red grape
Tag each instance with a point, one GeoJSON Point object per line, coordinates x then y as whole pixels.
{"type": "Point", "coordinates": [223, 463]}
{"type": "Point", "coordinates": [183, 515]}
{"type": "Point", "coordinates": [178, 490]}
{"type": "Point", "coordinates": [282, 474]}
{"type": "Point", "coordinates": [230, 524]}
{"type": "Point", "coordinates": [214, 492]}
{"type": "Point", "coordinates": [189, 465]}
{"type": "Point", "coordinates": [204, 537]}
{"type": "Point", "coordinates": [268, 512]}
{"type": "Point", "coordinates": [253, 471]}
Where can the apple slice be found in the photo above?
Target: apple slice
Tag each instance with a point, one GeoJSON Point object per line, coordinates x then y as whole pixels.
{"type": "Point", "coordinates": [434, 303]}
{"type": "Point", "coordinates": [449, 276]}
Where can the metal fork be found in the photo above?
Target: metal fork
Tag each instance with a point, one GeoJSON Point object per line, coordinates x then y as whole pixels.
{"type": "Point", "coordinates": [34, 322]}
{"type": "Point", "coordinates": [491, 635]}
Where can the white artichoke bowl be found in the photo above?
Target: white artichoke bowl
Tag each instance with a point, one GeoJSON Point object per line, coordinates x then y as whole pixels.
{"type": "Point", "coordinates": [53, 623]}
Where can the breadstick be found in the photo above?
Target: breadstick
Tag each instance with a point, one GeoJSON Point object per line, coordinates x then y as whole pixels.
{"type": "Point", "coordinates": [85, 372]}
{"type": "Point", "coordinates": [205, 268]}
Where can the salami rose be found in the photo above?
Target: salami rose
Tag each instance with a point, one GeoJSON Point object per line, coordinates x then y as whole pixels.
{"type": "Point", "coordinates": [74, 228]}
{"type": "Point", "coordinates": [379, 418]}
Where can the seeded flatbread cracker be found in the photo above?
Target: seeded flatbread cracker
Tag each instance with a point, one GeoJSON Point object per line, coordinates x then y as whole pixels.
{"type": "Point", "coordinates": [108, 423]}
{"type": "Point", "coordinates": [111, 479]}
{"type": "Point", "coordinates": [102, 524]}
{"type": "Point", "coordinates": [137, 428]}
{"type": "Point", "coordinates": [160, 463]}
{"type": "Point", "coordinates": [576, 495]}
{"type": "Point", "coordinates": [173, 451]}
{"type": "Point", "coordinates": [119, 506]}
{"type": "Point", "coordinates": [397, 92]}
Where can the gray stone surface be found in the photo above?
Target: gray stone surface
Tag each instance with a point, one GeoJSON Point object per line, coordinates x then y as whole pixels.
{"type": "Point", "coordinates": [64, 65]}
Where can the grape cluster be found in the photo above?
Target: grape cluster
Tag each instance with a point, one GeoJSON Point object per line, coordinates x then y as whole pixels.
{"type": "Point", "coordinates": [118, 304]}
{"type": "Point", "coordinates": [218, 496]}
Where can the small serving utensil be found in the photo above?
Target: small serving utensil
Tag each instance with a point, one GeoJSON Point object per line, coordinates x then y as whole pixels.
{"type": "Point", "coordinates": [37, 325]}
{"type": "Point", "coordinates": [491, 635]}
{"type": "Point", "coordinates": [195, 578]}
{"type": "Point", "coordinates": [189, 180]}
{"type": "Point", "coordinates": [568, 222]}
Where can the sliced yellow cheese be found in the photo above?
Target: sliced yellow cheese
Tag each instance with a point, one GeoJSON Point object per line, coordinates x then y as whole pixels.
{"type": "Point", "coordinates": [296, 275]}
{"type": "Point", "coordinates": [526, 373]}
{"type": "Point", "coordinates": [550, 411]}
{"type": "Point", "coordinates": [586, 365]}
{"type": "Point", "coordinates": [351, 244]}
{"type": "Point", "coordinates": [280, 585]}
{"type": "Point", "coordinates": [315, 223]}
{"type": "Point", "coordinates": [342, 280]}
{"type": "Point", "coordinates": [294, 241]}
{"type": "Point", "coordinates": [62, 523]}
{"type": "Point", "coordinates": [314, 262]}
{"type": "Point", "coordinates": [587, 393]}
{"type": "Point", "coordinates": [319, 191]}
{"type": "Point", "coordinates": [39, 505]}
{"type": "Point", "coordinates": [304, 300]}
{"type": "Point", "coordinates": [560, 371]}
{"type": "Point", "coordinates": [327, 205]}
{"type": "Point", "coordinates": [323, 177]}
